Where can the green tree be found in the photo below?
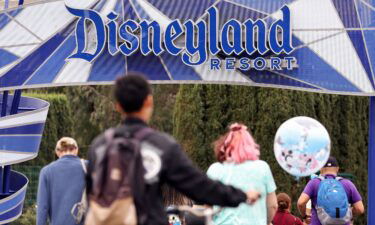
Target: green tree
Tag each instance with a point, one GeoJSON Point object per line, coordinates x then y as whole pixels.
{"type": "Point", "coordinates": [164, 100]}
{"type": "Point", "coordinates": [28, 216]}
{"type": "Point", "coordinates": [93, 112]}
{"type": "Point", "coordinates": [189, 121]}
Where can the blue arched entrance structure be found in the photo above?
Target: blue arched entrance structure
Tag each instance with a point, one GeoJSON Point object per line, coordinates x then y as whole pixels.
{"type": "Point", "coordinates": [21, 128]}
{"type": "Point", "coordinates": [333, 41]}
{"type": "Point", "coordinates": [371, 164]}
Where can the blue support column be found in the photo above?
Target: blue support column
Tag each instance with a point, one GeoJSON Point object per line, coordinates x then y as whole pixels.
{"type": "Point", "coordinates": [2, 169]}
{"type": "Point", "coordinates": [15, 102]}
{"type": "Point", "coordinates": [371, 164]}
{"type": "Point", "coordinates": [1, 182]}
{"type": "Point", "coordinates": [4, 104]}
{"type": "Point", "coordinates": [6, 180]}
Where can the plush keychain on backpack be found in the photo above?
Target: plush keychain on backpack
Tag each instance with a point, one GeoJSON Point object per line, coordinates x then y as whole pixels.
{"type": "Point", "coordinates": [332, 202]}
{"type": "Point", "coordinates": [174, 219]}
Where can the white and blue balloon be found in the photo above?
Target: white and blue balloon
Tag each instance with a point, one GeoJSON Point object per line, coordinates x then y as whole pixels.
{"type": "Point", "coordinates": [302, 146]}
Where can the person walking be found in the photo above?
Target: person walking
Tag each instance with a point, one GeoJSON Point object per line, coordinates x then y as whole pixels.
{"type": "Point", "coordinates": [164, 161]}
{"type": "Point", "coordinates": [283, 215]}
{"type": "Point", "coordinates": [343, 197]}
{"type": "Point", "coordinates": [238, 164]}
{"type": "Point", "coordinates": [61, 185]}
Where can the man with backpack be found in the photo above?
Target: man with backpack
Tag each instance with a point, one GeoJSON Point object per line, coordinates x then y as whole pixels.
{"type": "Point", "coordinates": [61, 185]}
{"type": "Point", "coordinates": [129, 163]}
{"type": "Point", "coordinates": [334, 199]}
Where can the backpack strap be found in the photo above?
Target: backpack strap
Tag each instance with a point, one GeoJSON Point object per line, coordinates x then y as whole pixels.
{"type": "Point", "coordinates": [324, 178]}
{"type": "Point", "coordinates": [138, 134]}
{"type": "Point", "coordinates": [84, 195]}
{"type": "Point", "coordinates": [109, 135]}
{"type": "Point", "coordinates": [83, 164]}
{"type": "Point", "coordinates": [79, 209]}
{"type": "Point", "coordinates": [142, 133]}
{"type": "Point", "coordinates": [339, 178]}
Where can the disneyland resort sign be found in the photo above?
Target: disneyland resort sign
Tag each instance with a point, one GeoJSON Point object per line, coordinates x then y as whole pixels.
{"type": "Point", "coordinates": [201, 39]}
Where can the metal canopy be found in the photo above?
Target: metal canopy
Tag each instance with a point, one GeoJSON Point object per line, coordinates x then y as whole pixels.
{"type": "Point", "coordinates": [334, 44]}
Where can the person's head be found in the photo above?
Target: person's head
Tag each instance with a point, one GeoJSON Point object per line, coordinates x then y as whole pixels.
{"type": "Point", "coordinates": [284, 202]}
{"type": "Point", "coordinates": [133, 96]}
{"type": "Point", "coordinates": [66, 146]}
{"type": "Point", "coordinates": [237, 145]}
{"type": "Point", "coordinates": [331, 167]}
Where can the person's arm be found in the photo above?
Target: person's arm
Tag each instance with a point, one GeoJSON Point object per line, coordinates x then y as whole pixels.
{"type": "Point", "coordinates": [186, 178]}
{"type": "Point", "coordinates": [271, 202]}
{"type": "Point", "coordinates": [307, 194]}
{"type": "Point", "coordinates": [301, 204]}
{"type": "Point", "coordinates": [355, 199]}
{"type": "Point", "coordinates": [299, 221]}
{"type": "Point", "coordinates": [308, 212]}
{"type": "Point", "coordinates": [43, 201]}
{"type": "Point", "coordinates": [271, 199]}
{"type": "Point", "coordinates": [358, 208]}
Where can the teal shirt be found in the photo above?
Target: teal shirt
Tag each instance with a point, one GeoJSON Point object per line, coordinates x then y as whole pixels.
{"type": "Point", "coordinates": [250, 175]}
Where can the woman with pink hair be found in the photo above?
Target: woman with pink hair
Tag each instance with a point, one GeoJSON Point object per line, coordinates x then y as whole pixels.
{"type": "Point", "coordinates": [238, 164]}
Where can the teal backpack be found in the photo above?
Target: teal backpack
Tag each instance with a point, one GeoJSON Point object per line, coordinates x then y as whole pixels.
{"type": "Point", "coordinates": [332, 202]}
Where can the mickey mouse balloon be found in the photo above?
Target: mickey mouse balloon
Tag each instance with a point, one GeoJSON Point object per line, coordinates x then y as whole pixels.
{"type": "Point", "coordinates": [302, 146]}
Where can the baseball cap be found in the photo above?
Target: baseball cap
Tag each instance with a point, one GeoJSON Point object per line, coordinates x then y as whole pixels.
{"type": "Point", "coordinates": [332, 162]}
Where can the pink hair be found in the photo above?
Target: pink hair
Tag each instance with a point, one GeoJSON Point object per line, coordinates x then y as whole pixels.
{"type": "Point", "coordinates": [237, 145]}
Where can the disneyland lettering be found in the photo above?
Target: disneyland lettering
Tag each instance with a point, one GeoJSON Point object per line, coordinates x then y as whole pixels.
{"type": "Point", "coordinates": [201, 39]}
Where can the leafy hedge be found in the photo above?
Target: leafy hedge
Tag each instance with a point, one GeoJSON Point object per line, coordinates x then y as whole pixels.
{"type": "Point", "coordinates": [203, 112]}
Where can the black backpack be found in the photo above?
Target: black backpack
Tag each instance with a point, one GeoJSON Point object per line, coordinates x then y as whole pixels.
{"type": "Point", "coordinates": [118, 185]}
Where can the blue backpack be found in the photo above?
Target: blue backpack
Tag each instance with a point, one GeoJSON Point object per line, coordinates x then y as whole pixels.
{"type": "Point", "coordinates": [332, 202]}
